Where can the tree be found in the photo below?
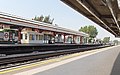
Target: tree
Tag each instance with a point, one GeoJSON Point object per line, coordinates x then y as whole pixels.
{"type": "Point", "coordinates": [45, 19]}
{"type": "Point", "coordinates": [91, 30]}
{"type": "Point", "coordinates": [106, 39]}
{"type": "Point", "coordinates": [41, 18]}
{"type": "Point", "coordinates": [116, 42]}
{"type": "Point", "coordinates": [38, 18]}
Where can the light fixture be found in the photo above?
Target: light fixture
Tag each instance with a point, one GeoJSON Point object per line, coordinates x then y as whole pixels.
{"type": "Point", "coordinates": [118, 3]}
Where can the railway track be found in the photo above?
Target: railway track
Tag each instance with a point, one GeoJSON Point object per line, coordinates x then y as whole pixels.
{"type": "Point", "coordinates": [19, 58]}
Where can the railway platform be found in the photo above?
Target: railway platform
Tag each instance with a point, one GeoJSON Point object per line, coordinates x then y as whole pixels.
{"type": "Point", "coordinates": [9, 49]}
{"type": "Point", "coordinates": [103, 61]}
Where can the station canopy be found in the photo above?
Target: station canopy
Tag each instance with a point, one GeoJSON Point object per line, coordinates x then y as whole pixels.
{"type": "Point", "coordinates": [16, 22]}
{"type": "Point", "coordinates": [105, 13]}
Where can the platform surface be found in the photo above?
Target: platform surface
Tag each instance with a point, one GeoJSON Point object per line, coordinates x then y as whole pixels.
{"type": "Point", "coordinates": [106, 62]}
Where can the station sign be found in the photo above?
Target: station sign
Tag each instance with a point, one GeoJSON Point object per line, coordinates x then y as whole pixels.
{"type": "Point", "coordinates": [6, 36]}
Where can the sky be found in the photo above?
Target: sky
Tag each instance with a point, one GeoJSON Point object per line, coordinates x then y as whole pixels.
{"type": "Point", "coordinates": [63, 15]}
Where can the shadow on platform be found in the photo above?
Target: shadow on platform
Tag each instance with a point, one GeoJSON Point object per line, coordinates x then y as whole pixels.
{"type": "Point", "coordinates": [116, 66]}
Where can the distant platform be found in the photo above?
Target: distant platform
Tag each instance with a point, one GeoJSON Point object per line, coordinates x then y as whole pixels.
{"type": "Point", "coordinates": [9, 49]}
{"type": "Point", "coordinates": [2, 45]}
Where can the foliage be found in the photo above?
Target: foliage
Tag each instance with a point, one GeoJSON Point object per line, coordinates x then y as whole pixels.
{"type": "Point", "coordinates": [116, 42]}
{"type": "Point", "coordinates": [9, 30]}
{"type": "Point", "coordinates": [106, 39]}
{"type": "Point", "coordinates": [45, 19]}
{"type": "Point", "coordinates": [91, 30]}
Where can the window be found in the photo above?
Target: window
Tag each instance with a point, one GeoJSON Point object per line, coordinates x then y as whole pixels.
{"type": "Point", "coordinates": [33, 37]}
{"type": "Point", "coordinates": [25, 36]}
{"type": "Point", "coordinates": [45, 37]}
{"type": "Point", "coordinates": [37, 37]}
{"type": "Point", "coordinates": [40, 37]}
{"type": "Point", "coordinates": [30, 36]}
{"type": "Point", "coordinates": [21, 36]}
{"type": "Point", "coordinates": [78, 39]}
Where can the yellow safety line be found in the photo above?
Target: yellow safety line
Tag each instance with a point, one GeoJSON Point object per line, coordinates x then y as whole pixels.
{"type": "Point", "coordinates": [26, 66]}
{"type": "Point", "coordinates": [43, 62]}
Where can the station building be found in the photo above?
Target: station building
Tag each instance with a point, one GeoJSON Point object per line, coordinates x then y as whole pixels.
{"type": "Point", "coordinates": [21, 30]}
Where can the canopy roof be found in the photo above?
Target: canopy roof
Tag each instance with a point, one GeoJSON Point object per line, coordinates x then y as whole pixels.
{"type": "Point", "coordinates": [105, 13]}
{"type": "Point", "coordinates": [22, 22]}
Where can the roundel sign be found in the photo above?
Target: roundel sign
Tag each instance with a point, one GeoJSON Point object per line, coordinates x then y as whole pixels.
{"type": "Point", "coordinates": [6, 36]}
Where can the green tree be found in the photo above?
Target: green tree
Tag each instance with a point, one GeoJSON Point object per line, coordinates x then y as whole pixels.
{"type": "Point", "coordinates": [91, 30]}
{"type": "Point", "coordinates": [38, 18]}
{"type": "Point", "coordinates": [116, 42]}
{"type": "Point", "coordinates": [106, 39]}
{"type": "Point", "coordinates": [45, 19]}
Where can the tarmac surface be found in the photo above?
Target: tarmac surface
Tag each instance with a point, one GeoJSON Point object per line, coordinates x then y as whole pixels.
{"type": "Point", "coordinates": [103, 63]}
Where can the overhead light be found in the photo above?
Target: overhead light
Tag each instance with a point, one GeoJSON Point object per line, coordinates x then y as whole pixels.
{"type": "Point", "coordinates": [118, 3]}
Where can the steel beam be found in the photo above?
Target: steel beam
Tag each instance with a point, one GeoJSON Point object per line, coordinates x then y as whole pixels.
{"type": "Point", "coordinates": [106, 16]}
{"type": "Point", "coordinates": [95, 14]}
{"type": "Point", "coordinates": [109, 3]}
{"type": "Point", "coordinates": [101, 16]}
